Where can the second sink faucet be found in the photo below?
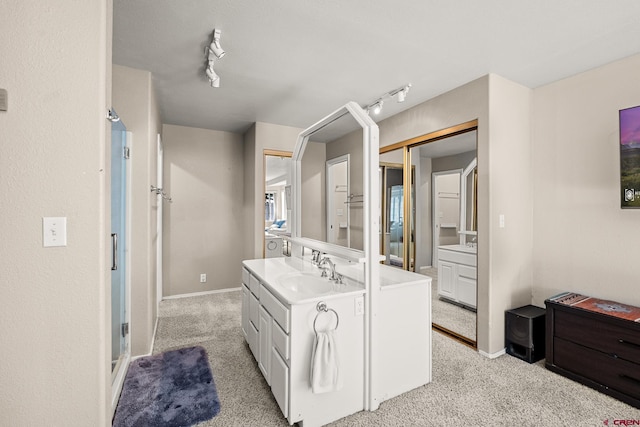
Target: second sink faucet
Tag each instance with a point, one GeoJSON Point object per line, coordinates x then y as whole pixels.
{"type": "Point", "coordinates": [332, 266]}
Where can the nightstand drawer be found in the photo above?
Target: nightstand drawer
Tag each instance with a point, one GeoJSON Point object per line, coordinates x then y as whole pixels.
{"type": "Point", "coordinates": [609, 371]}
{"type": "Point", "coordinates": [599, 335]}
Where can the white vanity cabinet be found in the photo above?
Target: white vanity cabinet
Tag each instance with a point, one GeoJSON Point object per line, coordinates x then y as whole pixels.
{"type": "Point", "coordinates": [457, 274]}
{"type": "Point", "coordinates": [280, 335]}
{"type": "Point", "coordinates": [263, 320]}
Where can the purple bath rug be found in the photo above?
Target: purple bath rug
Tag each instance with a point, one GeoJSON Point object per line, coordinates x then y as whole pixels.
{"type": "Point", "coordinates": [171, 389]}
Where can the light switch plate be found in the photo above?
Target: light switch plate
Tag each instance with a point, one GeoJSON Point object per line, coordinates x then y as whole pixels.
{"type": "Point", "coordinates": [54, 231]}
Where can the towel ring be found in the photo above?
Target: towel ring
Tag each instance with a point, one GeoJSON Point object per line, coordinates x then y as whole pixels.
{"type": "Point", "coordinates": [322, 308]}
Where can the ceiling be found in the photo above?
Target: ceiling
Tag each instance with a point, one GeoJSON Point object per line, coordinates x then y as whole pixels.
{"type": "Point", "coordinates": [292, 62]}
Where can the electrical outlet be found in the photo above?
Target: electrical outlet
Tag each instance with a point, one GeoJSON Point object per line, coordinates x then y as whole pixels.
{"type": "Point", "coordinates": [359, 306]}
{"type": "Point", "coordinates": [203, 278]}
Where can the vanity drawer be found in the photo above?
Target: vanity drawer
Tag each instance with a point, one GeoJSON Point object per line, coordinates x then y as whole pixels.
{"type": "Point", "coordinates": [467, 271]}
{"type": "Point", "coordinates": [608, 337]}
{"type": "Point", "coordinates": [254, 310]}
{"type": "Point", "coordinates": [457, 257]}
{"type": "Point", "coordinates": [245, 276]}
{"type": "Point", "coordinates": [280, 340]}
{"type": "Point", "coordinates": [278, 311]}
{"type": "Point", "coordinates": [254, 285]}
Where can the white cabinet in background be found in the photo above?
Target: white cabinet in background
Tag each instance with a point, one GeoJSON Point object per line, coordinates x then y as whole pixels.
{"type": "Point", "coordinates": [457, 275]}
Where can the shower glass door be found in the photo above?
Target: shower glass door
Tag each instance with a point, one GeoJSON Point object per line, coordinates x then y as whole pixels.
{"type": "Point", "coordinates": [119, 326]}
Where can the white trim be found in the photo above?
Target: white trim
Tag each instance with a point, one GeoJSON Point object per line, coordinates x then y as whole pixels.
{"type": "Point", "coordinates": [493, 355]}
{"type": "Point", "coordinates": [118, 382]}
{"type": "Point", "coordinates": [197, 294]}
{"type": "Point", "coordinates": [153, 337]}
{"type": "Point", "coordinates": [159, 216]}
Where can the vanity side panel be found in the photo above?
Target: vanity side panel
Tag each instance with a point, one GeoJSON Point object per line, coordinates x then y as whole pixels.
{"type": "Point", "coordinates": [404, 339]}
{"type": "Point", "coordinates": [319, 409]}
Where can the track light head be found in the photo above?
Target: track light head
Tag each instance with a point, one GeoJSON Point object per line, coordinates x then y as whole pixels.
{"type": "Point", "coordinates": [215, 50]}
{"type": "Point", "coordinates": [377, 107]}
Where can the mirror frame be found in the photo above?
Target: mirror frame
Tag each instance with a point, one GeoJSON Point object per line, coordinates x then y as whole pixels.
{"type": "Point", "coordinates": [370, 146]}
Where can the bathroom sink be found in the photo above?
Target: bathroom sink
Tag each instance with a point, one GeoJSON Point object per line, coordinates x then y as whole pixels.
{"type": "Point", "coordinates": [305, 283]}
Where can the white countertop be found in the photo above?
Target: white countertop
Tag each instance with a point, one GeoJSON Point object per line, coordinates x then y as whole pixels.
{"type": "Point", "coordinates": [460, 248]}
{"type": "Point", "coordinates": [269, 270]}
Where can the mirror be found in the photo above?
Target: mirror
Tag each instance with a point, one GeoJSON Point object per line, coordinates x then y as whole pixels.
{"type": "Point", "coordinates": [332, 185]}
{"type": "Point", "coordinates": [392, 209]}
{"type": "Point", "coordinates": [277, 203]}
{"type": "Point", "coordinates": [445, 206]}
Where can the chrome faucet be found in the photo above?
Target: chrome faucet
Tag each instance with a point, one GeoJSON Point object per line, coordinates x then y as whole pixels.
{"type": "Point", "coordinates": [315, 257]}
{"type": "Point", "coordinates": [336, 277]}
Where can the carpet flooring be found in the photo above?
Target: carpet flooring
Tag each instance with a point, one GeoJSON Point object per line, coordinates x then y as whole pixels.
{"type": "Point", "coordinates": [467, 389]}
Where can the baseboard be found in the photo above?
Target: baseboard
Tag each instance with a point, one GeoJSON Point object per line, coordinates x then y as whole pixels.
{"type": "Point", "coordinates": [197, 294]}
{"type": "Point", "coordinates": [493, 355]}
{"type": "Point", "coordinates": [153, 336]}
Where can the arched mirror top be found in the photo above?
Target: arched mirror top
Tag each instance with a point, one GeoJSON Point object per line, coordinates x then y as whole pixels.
{"type": "Point", "coordinates": [331, 208]}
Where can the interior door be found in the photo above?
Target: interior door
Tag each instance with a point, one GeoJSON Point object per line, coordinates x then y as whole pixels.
{"type": "Point", "coordinates": [119, 325]}
{"type": "Point", "coordinates": [338, 201]}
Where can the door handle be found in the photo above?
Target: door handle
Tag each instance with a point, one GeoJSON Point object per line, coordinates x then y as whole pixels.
{"type": "Point", "coordinates": [114, 251]}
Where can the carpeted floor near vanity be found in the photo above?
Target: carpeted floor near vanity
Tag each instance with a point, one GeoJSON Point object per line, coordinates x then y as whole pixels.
{"type": "Point", "coordinates": [467, 389]}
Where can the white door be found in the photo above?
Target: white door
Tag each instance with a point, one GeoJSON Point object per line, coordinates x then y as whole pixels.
{"type": "Point", "coordinates": [338, 201]}
{"type": "Point", "coordinates": [446, 209]}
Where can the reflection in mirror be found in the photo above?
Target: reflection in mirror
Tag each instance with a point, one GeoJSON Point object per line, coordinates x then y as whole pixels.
{"type": "Point", "coordinates": [392, 209]}
{"type": "Point", "coordinates": [332, 185]}
{"type": "Point", "coordinates": [277, 203]}
{"type": "Point", "coordinates": [443, 216]}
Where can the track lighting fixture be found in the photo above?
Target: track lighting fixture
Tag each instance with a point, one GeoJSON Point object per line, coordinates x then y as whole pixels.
{"type": "Point", "coordinates": [213, 52]}
{"type": "Point", "coordinates": [400, 93]}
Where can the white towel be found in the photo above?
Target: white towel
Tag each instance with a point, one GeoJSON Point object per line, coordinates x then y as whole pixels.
{"type": "Point", "coordinates": [325, 372]}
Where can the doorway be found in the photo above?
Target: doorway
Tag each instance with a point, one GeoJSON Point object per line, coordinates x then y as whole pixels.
{"type": "Point", "coordinates": [277, 203]}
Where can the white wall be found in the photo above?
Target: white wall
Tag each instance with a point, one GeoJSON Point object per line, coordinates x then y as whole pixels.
{"type": "Point", "coordinates": [134, 100]}
{"type": "Point", "coordinates": [202, 230]}
{"type": "Point", "coordinates": [55, 302]}
{"type": "Point", "coordinates": [583, 241]}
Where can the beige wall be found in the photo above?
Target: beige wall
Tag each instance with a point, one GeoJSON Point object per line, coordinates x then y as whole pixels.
{"type": "Point", "coordinates": [509, 177]}
{"type": "Point", "coordinates": [202, 228]}
{"type": "Point", "coordinates": [253, 240]}
{"type": "Point", "coordinates": [313, 180]}
{"type": "Point", "coordinates": [503, 146]}
{"type": "Point", "coordinates": [584, 242]}
{"type": "Point", "coordinates": [54, 302]}
{"type": "Point", "coordinates": [134, 100]}
{"type": "Point", "coordinates": [260, 137]}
